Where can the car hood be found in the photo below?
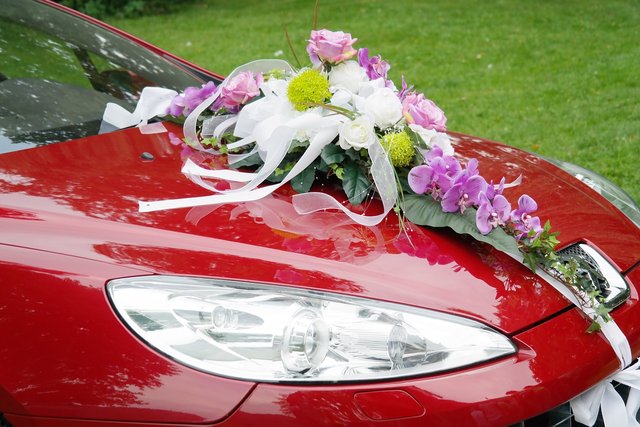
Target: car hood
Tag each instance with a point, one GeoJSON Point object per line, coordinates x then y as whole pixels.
{"type": "Point", "coordinates": [80, 198]}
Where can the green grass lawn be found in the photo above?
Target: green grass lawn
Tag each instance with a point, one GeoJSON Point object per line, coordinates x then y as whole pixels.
{"type": "Point", "coordinates": [560, 78]}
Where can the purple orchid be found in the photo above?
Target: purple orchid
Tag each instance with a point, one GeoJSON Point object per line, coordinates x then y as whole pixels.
{"type": "Point", "coordinates": [491, 215]}
{"type": "Point", "coordinates": [427, 179]}
{"type": "Point", "coordinates": [420, 179]}
{"type": "Point", "coordinates": [463, 193]}
{"type": "Point", "coordinates": [192, 96]}
{"type": "Point", "coordinates": [445, 168]}
{"type": "Point", "coordinates": [375, 67]}
{"type": "Point", "coordinates": [406, 89]}
{"type": "Point", "coordinates": [177, 107]}
{"type": "Point", "coordinates": [435, 151]}
{"type": "Point", "coordinates": [195, 97]}
{"type": "Point", "coordinates": [436, 176]}
{"type": "Point", "coordinates": [494, 190]}
{"type": "Point", "coordinates": [522, 219]}
{"type": "Point", "coordinates": [472, 167]}
{"type": "Point", "coordinates": [447, 165]}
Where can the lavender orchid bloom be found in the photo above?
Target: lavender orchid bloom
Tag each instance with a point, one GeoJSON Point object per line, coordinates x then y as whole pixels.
{"type": "Point", "coordinates": [192, 96]}
{"type": "Point", "coordinates": [375, 67]}
{"type": "Point", "coordinates": [522, 218]}
{"type": "Point", "coordinates": [446, 168]}
{"type": "Point", "coordinates": [494, 190]}
{"type": "Point", "coordinates": [463, 193]}
{"type": "Point", "coordinates": [472, 167]}
{"type": "Point", "coordinates": [435, 151]}
{"type": "Point", "coordinates": [195, 97]}
{"type": "Point", "coordinates": [452, 166]}
{"type": "Point", "coordinates": [491, 215]}
{"type": "Point", "coordinates": [177, 107]}
{"type": "Point", "coordinates": [406, 89]}
{"type": "Point", "coordinates": [420, 179]}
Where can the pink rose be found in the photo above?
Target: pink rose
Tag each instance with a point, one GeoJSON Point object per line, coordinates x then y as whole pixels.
{"type": "Point", "coordinates": [240, 89]}
{"type": "Point", "coordinates": [330, 46]}
{"type": "Point", "coordinates": [423, 112]}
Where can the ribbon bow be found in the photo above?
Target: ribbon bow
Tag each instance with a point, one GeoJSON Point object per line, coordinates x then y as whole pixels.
{"type": "Point", "coordinates": [603, 396]}
{"type": "Point", "coordinates": [153, 101]}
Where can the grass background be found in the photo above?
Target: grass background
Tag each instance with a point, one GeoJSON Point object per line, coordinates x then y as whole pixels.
{"type": "Point", "coordinates": [560, 78]}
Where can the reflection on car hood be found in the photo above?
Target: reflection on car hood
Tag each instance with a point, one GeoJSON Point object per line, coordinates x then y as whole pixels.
{"type": "Point", "coordinates": [80, 198]}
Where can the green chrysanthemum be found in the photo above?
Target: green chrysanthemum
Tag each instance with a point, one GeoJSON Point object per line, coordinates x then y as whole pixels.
{"type": "Point", "coordinates": [308, 88]}
{"type": "Point", "coordinates": [400, 148]}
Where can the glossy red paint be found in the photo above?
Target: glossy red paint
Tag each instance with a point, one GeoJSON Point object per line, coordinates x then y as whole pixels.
{"type": "Point", "coordinates": [67, 193]}
{"type": "Point", "coordinates": [101, 222]}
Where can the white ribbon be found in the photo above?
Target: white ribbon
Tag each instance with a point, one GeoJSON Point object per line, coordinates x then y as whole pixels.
{"type": "Point", "coordinates": [154, 101]}
{"type": "Point", "coordinates": [384, 181]}
{"type": "Point", "coordinates": [603, 396]}
{"type": "Point", "coordinates": [250, 191]}
{"type": "Point", "coordinates": [262, 65]}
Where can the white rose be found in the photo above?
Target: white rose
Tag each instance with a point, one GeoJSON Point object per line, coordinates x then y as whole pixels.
{"type": "Point", "coordinates": [348, 75]}
{"type": "Point", "coordinates": [434, 138]}
{"type": "Point", "coordinates": [384, 107]}
{"type": "Point", "coordinates": [342, 98]}
{"type": "Point", "coordinates": [358, 133]}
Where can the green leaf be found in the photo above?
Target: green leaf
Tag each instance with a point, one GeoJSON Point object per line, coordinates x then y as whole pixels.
{"type": "Point", "coordinates": [337, 170]}
{"type": "Point", "coordinates": [252, 160]}
{"type": "Point", "coordinates": [415, 138]}
{"type": "Point", "coordinates": [322, 166]}
{"type": "Point", "coordinates": [530, 260]}
{"type": "Point", "coordinates": [593, 327]}
{"type": "Point", "coordinates": [304, 180]}
{"type": "Point", "coordinates": [403, 180]}
{"type": "Point", "coordinates": [355, 183]}
{"type": "Point", "coordinates": [332, 153]}
{"type": "Point", "coordinates": [356, 155]}
{"type": "Point", "coordinates": [423, 210]}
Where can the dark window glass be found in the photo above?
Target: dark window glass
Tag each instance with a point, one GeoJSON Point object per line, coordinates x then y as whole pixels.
{"type": "Point", "coordinates": [58, 72]}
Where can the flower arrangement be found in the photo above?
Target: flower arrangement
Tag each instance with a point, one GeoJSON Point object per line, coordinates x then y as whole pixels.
{"type": "Point", "coordinates": [343, 118]}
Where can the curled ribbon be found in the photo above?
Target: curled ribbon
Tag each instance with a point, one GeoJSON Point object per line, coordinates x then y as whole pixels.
{"type": "Point", "coordinates": [603, 396]}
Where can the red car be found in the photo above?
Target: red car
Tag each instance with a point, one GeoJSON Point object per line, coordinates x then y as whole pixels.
{"type": "Point", "coordinates": [250, 314]}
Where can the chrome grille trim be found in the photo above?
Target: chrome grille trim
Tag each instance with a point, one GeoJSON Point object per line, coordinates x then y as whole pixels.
{"type": "Point", "coordinates": [600, 272]}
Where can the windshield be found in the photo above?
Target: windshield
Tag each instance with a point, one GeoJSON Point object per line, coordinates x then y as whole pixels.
{"type": "Point", "coordinates": [58, 72]}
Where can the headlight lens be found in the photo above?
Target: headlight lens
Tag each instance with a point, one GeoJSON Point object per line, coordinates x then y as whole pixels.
{"type": "Point", "coordinates": [616, 195]}
{"type": "Point", "coordinates": [279, 334]}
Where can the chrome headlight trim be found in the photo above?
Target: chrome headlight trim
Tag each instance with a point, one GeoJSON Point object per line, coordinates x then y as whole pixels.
{"type": "Point", "coordinates": [271, 333]}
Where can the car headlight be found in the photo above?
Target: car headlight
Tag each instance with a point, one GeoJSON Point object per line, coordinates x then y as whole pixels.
{"type": "Point", "coordinates": [279, 334]}
{"type": "Point", "coordinates": [610, 191]}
